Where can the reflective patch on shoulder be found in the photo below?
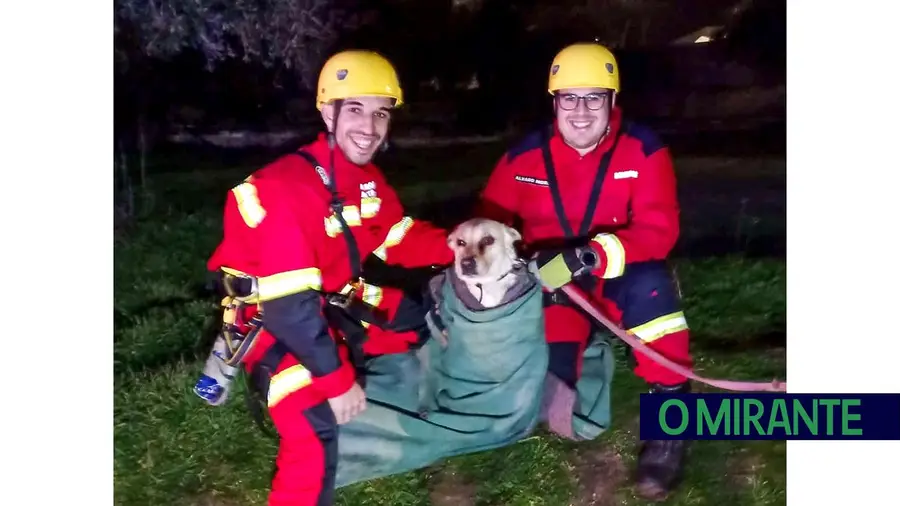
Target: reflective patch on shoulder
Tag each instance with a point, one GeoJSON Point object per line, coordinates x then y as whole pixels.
{"type": "Point", "coordinates": [532, 180]}
{"type": "Point", "coordinates": [250, 207]}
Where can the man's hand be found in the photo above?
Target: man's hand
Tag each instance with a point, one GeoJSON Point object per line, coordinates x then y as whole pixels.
{"type": "Point", "coordinates": [348, 404]}
{"type": "Point", "coordinates": [556, 268]}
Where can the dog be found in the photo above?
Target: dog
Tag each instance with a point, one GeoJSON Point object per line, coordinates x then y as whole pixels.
{"type": "Point", "coordinates": [486, 259]}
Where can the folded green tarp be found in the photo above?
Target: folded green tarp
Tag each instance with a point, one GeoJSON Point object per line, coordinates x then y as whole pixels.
{"type": "Point", "coordinates": [480, 388]}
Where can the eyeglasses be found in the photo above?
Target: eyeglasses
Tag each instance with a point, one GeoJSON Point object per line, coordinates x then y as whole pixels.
{"type": "Point", "coordinates": [593, 101]}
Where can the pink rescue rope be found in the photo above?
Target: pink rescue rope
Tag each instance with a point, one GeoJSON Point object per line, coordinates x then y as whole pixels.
{"type": "Point", "coordinates": [737, 386]}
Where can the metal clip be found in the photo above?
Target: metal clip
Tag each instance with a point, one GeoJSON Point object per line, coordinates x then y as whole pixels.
{"type": "Point", "coordinates": [338, 299]}
{"type": "Point", "coordinates": [240, 286]}
{"type": "Point", "coordinates": [229, 311]}
{"type": "Point", "coordinates": [345, 298]}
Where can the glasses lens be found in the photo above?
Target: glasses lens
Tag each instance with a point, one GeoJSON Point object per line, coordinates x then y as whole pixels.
{"type": "Point", "coordinates": [568, 102]}
{"type": "Point", "coordinates": [593, 101]}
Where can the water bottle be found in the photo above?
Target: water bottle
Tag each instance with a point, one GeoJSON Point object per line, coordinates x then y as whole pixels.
{"type": "Point", "coordinates": [215, 381]}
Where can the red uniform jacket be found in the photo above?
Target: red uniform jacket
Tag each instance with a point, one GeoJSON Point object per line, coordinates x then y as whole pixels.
{"type": "Point", "coordinates": [636, 218]}
{"type": "Point", "coordinates": [278, 227]}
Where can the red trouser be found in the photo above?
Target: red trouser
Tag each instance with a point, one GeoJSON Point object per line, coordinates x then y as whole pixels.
{"type": "Point", "coordinates": [307, 452]}
{"type": "Point", "coordinates": [644, 300]}
{"type": "Point", "coordinates": [307, 430]}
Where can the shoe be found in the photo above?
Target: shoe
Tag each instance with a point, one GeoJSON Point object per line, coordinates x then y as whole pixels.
{"type": "Point", "coordinates": [661, 463]}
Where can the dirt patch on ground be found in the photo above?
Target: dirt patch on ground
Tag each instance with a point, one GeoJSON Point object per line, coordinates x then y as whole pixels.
{"type": "Point", "coordinates": [211, 500]}
{"type": "Point", "coordinates": [601, 473]}
{"type": "Point", "coordinates": [447, 488]}
{"type": "Point", "coordinates": [743, 468]}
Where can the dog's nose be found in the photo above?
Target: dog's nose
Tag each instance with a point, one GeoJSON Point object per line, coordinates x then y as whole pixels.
{"type": "Point", "coordinates": [468, 265]}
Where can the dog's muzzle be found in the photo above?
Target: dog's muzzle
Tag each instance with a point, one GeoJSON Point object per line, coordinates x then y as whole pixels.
{"type": "Point", "coordinates": [467, 266]}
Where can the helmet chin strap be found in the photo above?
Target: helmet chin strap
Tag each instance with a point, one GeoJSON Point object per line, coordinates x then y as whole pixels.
{"type": "Point", "coordinates": [612, 105]}
{"type": "Point", "coordinates": [605, 134]}
{"type": "Point", "coordinates": [611, 96]}
{"type": "Point", "coordinates": [332, 142]}
{"type": "Point", "coordinates": [387, 143]}
{"type": "Point", "coordinates": [334, 121]}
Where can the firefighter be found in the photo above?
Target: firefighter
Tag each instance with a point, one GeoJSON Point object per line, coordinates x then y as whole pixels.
{"type": "Point", "coordinates": [595, 189]}
{"type": "Point", "coordinates": [298, 229]}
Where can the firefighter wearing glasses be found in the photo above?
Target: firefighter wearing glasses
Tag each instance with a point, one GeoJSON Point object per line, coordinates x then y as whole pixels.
{"type": "Point", "coordinates": [596, 184]}
{"type": "Point", "coordinates": [298, 230]}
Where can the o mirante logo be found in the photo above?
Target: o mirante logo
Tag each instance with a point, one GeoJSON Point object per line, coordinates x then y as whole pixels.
{"type": "Point", "coordinates": [770, 416]}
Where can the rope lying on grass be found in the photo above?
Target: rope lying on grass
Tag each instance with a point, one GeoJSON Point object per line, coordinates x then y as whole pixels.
{"type": "Point", "coordinates": [737, 386]}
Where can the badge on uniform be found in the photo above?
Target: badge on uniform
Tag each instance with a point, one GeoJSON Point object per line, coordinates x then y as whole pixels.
{"type": "Point", "coordinates": [609, 68]}
{"type": "Point", "coordinates": [341, 74]}
{"type": "Point", "coordinates": [323, 175]}
{"type": "Point", "coordinates": [554, 69]}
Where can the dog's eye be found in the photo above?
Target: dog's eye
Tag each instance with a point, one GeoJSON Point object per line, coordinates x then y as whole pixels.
{"type": "Point", "coordinates": [486, 241]}
{"type": "Point", "coordinates": [460, 243]}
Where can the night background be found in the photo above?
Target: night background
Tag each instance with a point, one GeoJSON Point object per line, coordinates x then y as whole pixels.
{"type": "Point", "coordinates": [208, 91]}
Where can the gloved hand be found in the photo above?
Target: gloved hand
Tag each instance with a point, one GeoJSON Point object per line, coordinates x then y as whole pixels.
{"type": "Point", "coordinates": [556, 268]}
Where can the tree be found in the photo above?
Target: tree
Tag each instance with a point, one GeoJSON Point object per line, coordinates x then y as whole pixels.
{"type": "Point", "coordinates": [627, 23]}
{"type": "Point", "coordinates": [294, 33]}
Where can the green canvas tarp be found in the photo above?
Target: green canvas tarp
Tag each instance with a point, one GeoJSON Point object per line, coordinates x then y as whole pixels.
{"type": "Point", "coordinates": [481, 388]}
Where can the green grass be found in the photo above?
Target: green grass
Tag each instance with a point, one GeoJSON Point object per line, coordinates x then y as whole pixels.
{"type": "Point", "coordinates": [170, 448]}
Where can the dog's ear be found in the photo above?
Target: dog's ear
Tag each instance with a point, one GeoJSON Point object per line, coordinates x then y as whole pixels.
{"type": "Point", "coordinates": [512, 235]}
{"type": "Point", "coordinates": [453, 235]}
{"type": "Point", "coordinates": [514, 241]}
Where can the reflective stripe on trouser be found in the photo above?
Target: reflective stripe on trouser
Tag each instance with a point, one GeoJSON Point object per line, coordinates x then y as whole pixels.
{"type": "Point", "coordinates": [307, 454]}
{"type": "Point", "coordinates": [643, 300]}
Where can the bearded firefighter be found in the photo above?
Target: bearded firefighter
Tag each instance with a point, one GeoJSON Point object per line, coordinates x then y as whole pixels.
{"type": "Point", "coordinates": [298, 229]}
{"type": "Point", "coordinates": [595, 187]}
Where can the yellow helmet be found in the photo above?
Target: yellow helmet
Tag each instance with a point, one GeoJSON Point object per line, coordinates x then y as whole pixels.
{"type": "Point", "coordinates": [357, 73]}
{"type": "Point", "coordinates": [584, 65]}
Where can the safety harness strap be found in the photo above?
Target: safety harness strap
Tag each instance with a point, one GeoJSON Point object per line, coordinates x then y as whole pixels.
{"type": "Point", "coordinates": [356, 309]}
{"type": "Point", "coordinates": [336, 311]}
{"type": "Point", "coordinates": [238, 343]}
{"type": "Point", "coordinates": [343, 312]}
{"type": "Point", "coordinates": [337, 206]}
{"type": "Point", "coordinates": [354, 335]}
{"type": "Point", "coordinates": [586, 282]}
{"type": "Point", "coordinates": [552, 182]}
{"type": "Point", "coordinates": [409, 315]}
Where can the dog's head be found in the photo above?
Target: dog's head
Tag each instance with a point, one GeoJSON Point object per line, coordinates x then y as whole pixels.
{"type": "Point", "coordinates": [484, 249]}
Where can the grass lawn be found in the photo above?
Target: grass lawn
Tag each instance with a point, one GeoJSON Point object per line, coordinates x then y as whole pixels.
{"type": "Point", "coordinates": [170, 448]}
